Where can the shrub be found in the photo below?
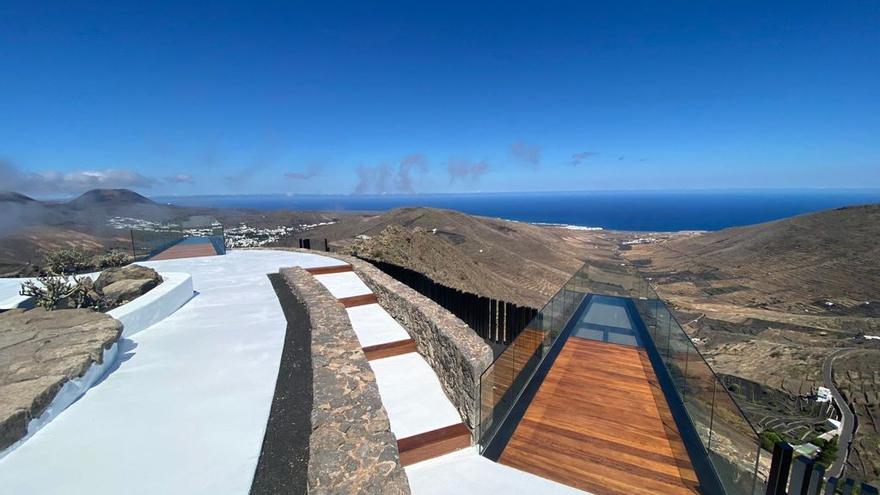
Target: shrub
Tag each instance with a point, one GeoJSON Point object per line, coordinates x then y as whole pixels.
{"type": "Point", "coordinates": [769, 438]}
{"type": "Point", "coordinates": [63, 291]}
{"type": "Point", "coordinates": [66, 261]}
{"type": "Point", "coordinates": [113, 259]}
{"type": "Point", "coordinates": [829, 450]}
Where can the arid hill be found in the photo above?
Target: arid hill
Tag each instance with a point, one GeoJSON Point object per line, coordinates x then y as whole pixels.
{"type": "Point", "coordinates": [812, 279]}
{"type": "Point", "coordinates": [110, 198]}
{"type": "Point", "coordinates": [14, 197]}
{"type": "Point", "coordinates": [513, 261]}
{"type": "Point", "coordinates": [767, 304]}
{"type": "Point", "coordinates": [828, 256]}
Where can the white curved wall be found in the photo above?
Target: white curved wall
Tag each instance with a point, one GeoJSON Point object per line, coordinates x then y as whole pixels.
{"type": "Point", "coordinates": [154, 306]}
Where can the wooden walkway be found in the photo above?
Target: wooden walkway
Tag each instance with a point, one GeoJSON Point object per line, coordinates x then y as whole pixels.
{"type": "Point", "coordinates": [185, 250]}
{"type": "Point", "coordinates": [600, 423]}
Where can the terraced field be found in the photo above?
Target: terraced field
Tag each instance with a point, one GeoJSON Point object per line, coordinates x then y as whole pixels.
{"type": "Point", "coordinates": [858, 378]}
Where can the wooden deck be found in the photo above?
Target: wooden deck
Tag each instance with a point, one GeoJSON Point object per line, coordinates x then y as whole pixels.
{"type": "Point", "coordinates": [599, 422]}
{"type": "Point", "coordinates": [186, 251]}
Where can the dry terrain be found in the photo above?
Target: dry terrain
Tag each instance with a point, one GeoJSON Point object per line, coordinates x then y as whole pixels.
{"type": "Point", "coordinates": [512, 261]}
{"type": "Point", "coordinates": [858, 378]}
{"type": "Point", "coordinates": [768, 303]}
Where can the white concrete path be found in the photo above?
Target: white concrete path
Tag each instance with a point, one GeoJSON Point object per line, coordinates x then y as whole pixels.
{"type": "Point", "coordinates": [186, 409]}
{"type": "Point", "coordinates": [465, 471]}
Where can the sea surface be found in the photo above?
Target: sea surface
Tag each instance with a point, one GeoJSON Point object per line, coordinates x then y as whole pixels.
{"type": "Point", "coordinates": [620, 210]}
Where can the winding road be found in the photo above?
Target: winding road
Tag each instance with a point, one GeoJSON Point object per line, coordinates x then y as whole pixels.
{"type": "Point", "coordinates": [848, 421]}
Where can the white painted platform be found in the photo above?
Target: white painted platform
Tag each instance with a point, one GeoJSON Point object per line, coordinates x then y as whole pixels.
{"type": "Point", "coordinates": [186, 409]}
{"type": "Point", "coordinates": [145, 311]}
{"type": "Point", "coordinates": [374, 326]}
{"type": "Point", "coordinates": [412, 395]}
{"type": "Point", "coordinates": [465, 471]}
{"type": "Point", "coordinates": [345, 284]}
{"type": "Point", "coordinates": [9, 293]}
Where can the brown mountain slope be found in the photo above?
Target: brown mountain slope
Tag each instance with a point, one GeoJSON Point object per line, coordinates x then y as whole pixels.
{"type": "Point", "coordinates": [831, 255]}
{"type": "Point", "coordinates": [769, 303]}
{"type": "Point", "coordinates": [512, 261]}
{"type": "Point", "coordinates": [110, 197]}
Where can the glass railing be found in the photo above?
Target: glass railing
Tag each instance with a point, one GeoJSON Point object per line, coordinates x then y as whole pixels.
{"type": "Point", "coordinates": [732, 444]}
{"type": "Point", "coordinates": [728, 441]}
{"type": "Point", "coordinates": [146, 243]}
{"type": "Point", "coordinates": [503, 382]}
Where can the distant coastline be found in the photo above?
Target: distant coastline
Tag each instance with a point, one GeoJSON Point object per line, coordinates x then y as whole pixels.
{"type": "Point", "coordinates": [647, 211]}
{"type": "Point", "coordinates": [566, 226]}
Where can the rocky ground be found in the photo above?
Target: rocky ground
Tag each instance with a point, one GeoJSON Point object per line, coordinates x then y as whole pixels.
{"type": "Point", "coordinates": [40, 351]}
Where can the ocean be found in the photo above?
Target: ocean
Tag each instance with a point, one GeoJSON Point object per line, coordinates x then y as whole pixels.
{"type": "Point", "coordinates": [615, 210]}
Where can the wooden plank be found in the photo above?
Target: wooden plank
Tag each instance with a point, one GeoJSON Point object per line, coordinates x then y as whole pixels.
{"type": "Point", "coordinates": [433, 443]}
{"type": "Point", "coordinates": [600, 423]}
{"type": "Point", "coordinates": [352, 301]}
{"type": "Point", "coordinates": [389, 349]}
{"type": "Point", "coordinates": [324, 270]}
{"type": "Point", "coordinates": [179, 251]}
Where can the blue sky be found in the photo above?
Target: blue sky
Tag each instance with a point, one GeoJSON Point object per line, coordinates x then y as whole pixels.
{"type": "Point", "coordinates": [324, 97]}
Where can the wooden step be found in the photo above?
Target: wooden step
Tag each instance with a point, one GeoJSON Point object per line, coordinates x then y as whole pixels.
{"type": "Point", "coordinates": [433, 443]}
{"type": "Point", "coordinates": [389, 349]}
{"type": "Point", "coordinates": [324, 270]}
{"type": "Point", "coordinates": [352, 301]}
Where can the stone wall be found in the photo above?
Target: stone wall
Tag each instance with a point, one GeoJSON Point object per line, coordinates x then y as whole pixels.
{"type": "Point", "coordinates": [457, 355]}
{"type": "Point", "coordinates": [351, 448]}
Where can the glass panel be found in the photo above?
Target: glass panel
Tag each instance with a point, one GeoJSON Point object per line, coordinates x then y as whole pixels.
{"type": "Point", "coordinates": [504, 380]}
{"type": "Point", "coordinates": [148, 242]}
{"type": "Point", "coordinates": [726, 435]}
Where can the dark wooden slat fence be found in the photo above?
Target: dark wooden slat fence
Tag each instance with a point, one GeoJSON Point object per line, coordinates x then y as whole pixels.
{"type": "Point", "coordinates": [493, 320]}
{"type": "Point", "coordinates": [315, 244]}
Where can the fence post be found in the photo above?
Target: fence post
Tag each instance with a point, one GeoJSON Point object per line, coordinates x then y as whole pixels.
{"type": "Point", "coordinates": [800, 475]}
{"type": "Point", "coordinates": [779, 469]}
{"type": "Point", "coordinates": [816, 477]}
{"type": "Point", "coordinates": [831, 486]}
{"type": "Point", "coordinates": [868, 489]}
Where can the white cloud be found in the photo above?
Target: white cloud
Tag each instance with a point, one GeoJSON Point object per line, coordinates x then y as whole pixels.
{"type": "Point", "coordinates": [75, 182]}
